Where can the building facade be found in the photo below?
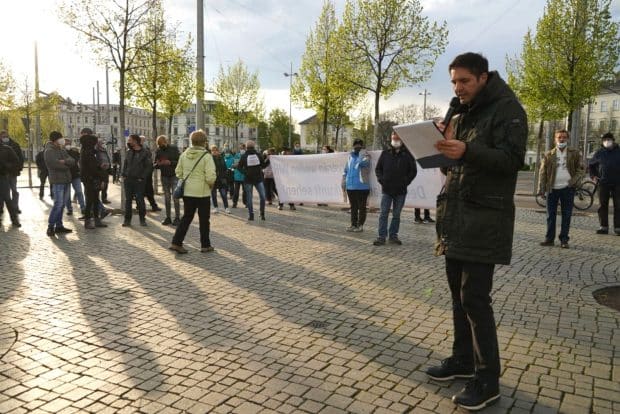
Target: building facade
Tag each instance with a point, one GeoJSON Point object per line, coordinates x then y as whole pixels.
{"type": "Point", "coordinates": [310, 135]}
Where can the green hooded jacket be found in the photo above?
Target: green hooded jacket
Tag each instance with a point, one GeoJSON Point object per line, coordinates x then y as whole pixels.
{"type": "Point", "coordinates": [199, 182]}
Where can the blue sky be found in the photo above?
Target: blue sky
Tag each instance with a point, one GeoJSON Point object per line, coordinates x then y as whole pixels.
{"type": "Point", "coordinates": [267, 35]}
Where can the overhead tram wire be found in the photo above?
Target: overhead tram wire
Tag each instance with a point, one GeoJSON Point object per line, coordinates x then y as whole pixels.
{"type": "Point", "coordinates": [493, 22]}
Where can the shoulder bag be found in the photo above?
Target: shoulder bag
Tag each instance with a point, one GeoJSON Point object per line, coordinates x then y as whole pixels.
{"type": "Point", "coordinates": [180, 188]}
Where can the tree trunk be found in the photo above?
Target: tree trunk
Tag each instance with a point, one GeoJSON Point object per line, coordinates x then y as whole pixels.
{"type": "Point", "coordinates": [170, 127]}
{"type": "Point", "coordinates": [376, 139]}
{"type": "Point", "coordinates": [121, 119]}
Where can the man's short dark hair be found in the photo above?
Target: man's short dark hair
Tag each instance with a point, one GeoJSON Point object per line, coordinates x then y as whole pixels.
{"type": "Point", "coordinates": [86, 131]}
{"type": "Point", "coordinates": [135, 137]}
{"type": "Point", "coordinates": [54, 135]}
{"type": "Point", "coordinates": [608, 135]}
{"type": "Point", "coordinates": [473, 62]}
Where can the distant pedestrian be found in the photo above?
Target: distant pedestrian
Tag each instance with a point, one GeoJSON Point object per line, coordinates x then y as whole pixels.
{"type": "Point", "coordinates": [197, 168]}
{"type": "Point", "coordinates": [93, 174]}
{"type": "Point", "coordinates": [8, 163]}
{"type": "Point", "coordinates": [395, 170]}
{"type": "Point", "coordinates": [251, 165]}
{"type": "Point", "coordinates": [59, 168]}
{"type": "Point", "coordinates": [42, 173]}
{"type": "Point", "coordinates": [15, 172]}
{"type": "Point", "coordinates": [417, 218]}
{"type": "Point", "coordinates": [166, 160]}
{"type": "Point", "coordinates": [238, 178]}
{"type": "Point", "coordinates": [221, 183]}
{"type": "Point", "coordinates": [560, 172]}
{"type": "Point", "coordinates": [136, 168]}
{"type": "Point", "coordinates": [356, 179]}
{"type": "Point", "coordinates": [605, 167]}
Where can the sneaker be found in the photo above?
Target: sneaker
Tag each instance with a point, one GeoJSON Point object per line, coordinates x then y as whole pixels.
{"type": "Point", "coordinates": [395, 240]}
{"type": "Point", "coordinates": [126, 224]}
{"type": "Point", "coordinates": [428, 220]}
{"type": "Point", "coordinates": [379, 241]}
{"type": "Point", "coordinates": [418, 220]}
{"type": "Point", "coordinates": [214, 211]}
{"type": "Point", "coordinates": [62, 229]}
{"type": "Point", "coordinates": [564, 245]}
{"type": "Point", "coordinates": [166, 221]}
{"type": "Point", "coordinates": [99, 223]}
{"type": "Point", "coordinates": [176, 221]}
{"type": "Point", "coordinates": [207, 249]}
{"type": "Point", "coordinates": [143, 222]}
{"type": "Point", "coordinates": [89, 224]}
{"type": "Point", "coordinates": [178, 249]}
{"type": "Point", "coordinates": [228, 211]}
{"type": "Point", "coordinates": [476, 395]}
{"type": "Point", "coordinates": [292, 206]}
{"type": "Point", "coordinates": [155, 208]}
{"type": "Point", "coordinates": [351, 228]}
{"type": "Point", "coordinates": [359, 229]}
{"type": "Point", "coordinates": [16, 223]}
{"type": "Point", "coordinates": [547, 243]}
{"type": "Point", "coordinates": [603, 230]}
{"type": "Point", "coordinates": [450, 369]}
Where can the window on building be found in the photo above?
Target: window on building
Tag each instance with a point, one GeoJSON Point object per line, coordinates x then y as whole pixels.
{"type": "Point", "coordinates": [603, 106]}
{"type": "Point", "coordinates": [217, 130]}
{"type": "Point", "coordinates": [207, 130]}
{"type": "Point", "coordinates": [116, 120]}
{"type": "Point", "coordinates": [613, 125]}
{"type": "Point", "coordinates": [615, 104]}
{"type": "Point", "coordinates": [175, 131]}
{"type": "Point", "coordinates": [602, 125]}
{"type": "Point", "coordinates": [241, 135]}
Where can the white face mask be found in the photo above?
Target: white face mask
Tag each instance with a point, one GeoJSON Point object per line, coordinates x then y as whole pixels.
{"type": "Point", "coordinates": [5, 139]}
{"type": "Point", "coordinates": [562, 145]}
{"type": "Point", "coordinates": [396, 143]}
{"type": "Point", "coordinates": [608, 143]}
{"type": "Point", "coordinates": [61, 142]}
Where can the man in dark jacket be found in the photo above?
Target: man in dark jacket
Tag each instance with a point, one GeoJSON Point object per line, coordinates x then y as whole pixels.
{"type": "Point", "coordinates": [16, 171]}
{"type": "Point", "coordinates": [76, 181]}
{"type": "Point", "coordinates": [251, 164]}
{"type": "Point", "coordinates": [59, 168]}
{"type": "Point", "coordinates": [92, 176]}
{"type": "Point", "coordinates": [605, 167]}
{"type": "Point", "coordinates": [8, 162]}
{"type": "Point", "coordinates": [475, 220]}
{"type": "Point", "coordinates": [136, 168]}
{"type": "Point", "coordinates": [395, 170]}
{"type": "Point", "coordinates": [42, 173]}
{"type": "Point", "coordinates": [166, 159]}
{"type": "Point", "coordinates": [149, 190]}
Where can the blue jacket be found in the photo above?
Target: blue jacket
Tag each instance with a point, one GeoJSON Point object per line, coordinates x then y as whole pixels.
{"type": "Point", "coordinates": [238, 174]}
{"type": "Point", "coordinates": [605, 164]}
{"type": "Point", "coordinates": [357, 171]}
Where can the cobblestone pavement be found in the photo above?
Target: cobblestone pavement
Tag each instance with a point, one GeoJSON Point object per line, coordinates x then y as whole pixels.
{"type": "Point", "coordinates": [289, 315]}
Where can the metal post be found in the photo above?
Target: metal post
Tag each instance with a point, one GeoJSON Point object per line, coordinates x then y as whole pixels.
{"type": "Point", "coordinates": [37, 118]}
{"type": "Point", "coordinates": [424, 107]}
{"type": "Point", "coordinates": [200, 68]}
{"type": "Point", "coordinates": [586, 131]}
{"type": "Point", "coordinates": [290, 104]}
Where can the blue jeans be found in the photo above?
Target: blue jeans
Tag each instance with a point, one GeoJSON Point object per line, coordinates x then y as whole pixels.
{"type": "Point", "coordinates": [260, 187]}
{"type": "Point", "coordinates": [76, 183]}
{"type": "Point", "coordinates": [396, 202]}
{"type": "Point", "coordinates": [223, 193]}
{"type": "Point", "coordinates": [565, 197]}
{"type": "Point", "coordinates": [58, 192]}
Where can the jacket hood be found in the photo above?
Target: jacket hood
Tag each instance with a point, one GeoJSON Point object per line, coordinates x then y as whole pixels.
{"type": "Point", "coordinates": [50, 144]}
{"type": "Point", "coordinates": [192, 153]}
{"type": "Point", "coordinates": [495, 89]}
{"type": "Point", "coordinates": [88, 141]}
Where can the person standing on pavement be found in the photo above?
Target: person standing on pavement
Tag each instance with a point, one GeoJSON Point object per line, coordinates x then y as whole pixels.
{"type": "Point", "coordinates": [238, 178]}
{"type": "Point", "coordinates": [106, 164]}
{"type": "Point", "coordinates": [136, 168]}
{"type": "Point", "coordinates": [560, 172]}
{"type": "Point", "coordinates": [59, 165]}
{"type": "Point", "coordinates": [166, 160]}
{"type": "Point", "coordinates": [605, 168]}
{"type": "Point", "coordinates": [417, 218]}
{"type": "Point", "coordinates": [197, 168]}
{"type": "Point", "coordinates": [42, 173]}
{"type": "Point", "coordinates": [76, 181]}
{"type": "Point", "coordinates": [93, 173]}
{"type": "Point", "coordinates": [8, 163]}
{"type": "Point", "coordinates": [475, 219]}
{"type": "Point", "coordinates": [251, 165]}
{"type": "Point", "coordinates": [221, 184]}
{"type": "Point", "coordinates": [149, 191]}
{"type": "Point", "coordinates": [356, 179]}
{"type": "Point", "coordinates": [6, 140]}
{"type": "Point", "coordinates": [395, 170]}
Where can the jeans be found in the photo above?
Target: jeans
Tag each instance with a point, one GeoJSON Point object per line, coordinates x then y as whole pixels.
{"type": "Point", "coordinates": [260, 187]}
{"type": "Point", "coordinates": [565, 197]}
{"type": "Point", "coordinates": [223, 193]}
{"type": "Point", "coordinates": [396, 202]}
{"type": "Point", "coordinates": [134, 189]}
{"type": "Point", "coordinates": [238, 185]}
{"type": "Point", "coordinates": [190, 205]}
{"type": "Point", "coordinates": [475, 334]}
{"type": "Point", "coordinates": [357, 200]}
{"type": "Point", "coordinates": [168, 184]}
{"type": "Point", "coordinates": [58, 192]}
{"type": "Point", "coordinates": [5, 198]}
{"type": "Point", "coordinates": [76, 183]}
{"type": "Point", "coordinates": [605, 192]}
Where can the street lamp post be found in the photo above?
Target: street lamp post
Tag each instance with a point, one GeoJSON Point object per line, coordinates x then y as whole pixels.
{"type": "Point", "coordinates": [290, 75]}
{"type": "Point", "coordinates": [424, 107]}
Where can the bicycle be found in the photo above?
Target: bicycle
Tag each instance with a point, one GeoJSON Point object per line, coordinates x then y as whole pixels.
{"type": "Point", "coordinates": [583, 198]}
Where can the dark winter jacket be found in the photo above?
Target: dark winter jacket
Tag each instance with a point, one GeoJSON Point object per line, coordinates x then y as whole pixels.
{"type": "Point", "coordinates": [20, 157]}
{"type": "Point", "coordinates": [40, 160]}
{"type": "Point", "coordinates": [167, 153]}
{"type": "Point", "coordinates": [475, 210]}
{"type": "Point", "coordinates": [395, 170]}
{"type": "Point", "coordinates": [58, 164]}
{"type": "Point", "coordinates": [605, 164]}
{"type": "Point", "coordinates": [221, 171]}
{"type": "Point", "coordinates": [90, 168]}
{"type": "Point", "coordinates": [75, 169]}
{"type": "Point", "coordinates": [138, 164]}
{"type": "Point", "coordinates": [8, 160]}
{"type": "Point", "coordinates": [251, 165]}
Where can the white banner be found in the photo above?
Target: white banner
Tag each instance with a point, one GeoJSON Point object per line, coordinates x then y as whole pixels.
{"type": "Point", "coordinates": [317, 178]}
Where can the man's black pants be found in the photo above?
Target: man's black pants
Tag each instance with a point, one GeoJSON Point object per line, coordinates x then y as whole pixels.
{"type": "Point", "coordinates": [475, 334]}
{"type": "Point", "coordinates": [357, 200]}
{"type": "Point", "coordinates": [605, 192]}
{"type": "Point", "coordinates": [91, 193]}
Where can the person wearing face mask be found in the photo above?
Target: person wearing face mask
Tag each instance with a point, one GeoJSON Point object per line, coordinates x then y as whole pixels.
{"type": "Point", "coordinates": [560, 172]}
{"type": "Point", "coordinates": [238, 178]}
{"type": "Point", "coordinates": [395, 170]}
{"type": "Point", "coordinates": [136, 168]}
{"type": "Point", "coordinates": [356, 178]}
{"type": "Point", "coordinates": [59, 165]}
{"type": "Point", "coordinates": [93, 173]}
{"type": "Point", "coordinates": [166, 160]}
{"type": "Point", "coordinates": [605, 167]}
{"type": "Point", "coordinates": [15, 172]}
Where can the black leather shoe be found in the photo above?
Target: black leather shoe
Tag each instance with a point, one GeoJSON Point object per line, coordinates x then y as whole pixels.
{"type": "Point", "coordinates": [547, 243]}
{"type": "Point", "coordinates": [62, 230]}
{"type": "Point", "coordinates": [166, 221]}
{"type": "Point", "coordinates": [379, 242]}
{"type": "Point", "coordinates": [450, 369]}
{"type": "Point", "coordinates": [50, 232]}
{"type": "Point", "coordinates": [395, 240]}
{"type": "Point", "coordinates": [477, 395]}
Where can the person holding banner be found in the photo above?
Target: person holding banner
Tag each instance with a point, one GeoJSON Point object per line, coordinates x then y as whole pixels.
{"type": "Point", "coordinates": [356, 179]}
{"type": "Point", "coordinates": [475, 219]}
{"type": "Point", "coordinates": [395, 170]}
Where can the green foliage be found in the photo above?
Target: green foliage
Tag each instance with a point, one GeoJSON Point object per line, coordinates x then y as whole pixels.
{"type": "Point", "coordinates": [278, 128]}
{"type": "Point", "coordinates": [7, 89]}
{"type": "Point", "coordinates": [239, 101]}
{"type": "Point", "coordinates": [391, 44]}
{"type": "Point", "coordinates": [561, 67]}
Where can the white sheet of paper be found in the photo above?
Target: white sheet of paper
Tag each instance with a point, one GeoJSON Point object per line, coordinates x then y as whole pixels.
{"type": "Point", "coordinates": [420, 138]}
